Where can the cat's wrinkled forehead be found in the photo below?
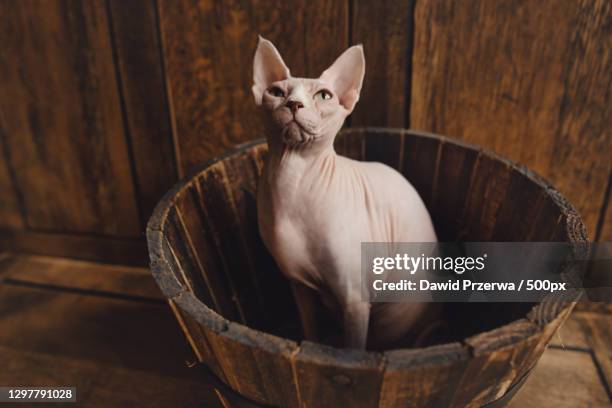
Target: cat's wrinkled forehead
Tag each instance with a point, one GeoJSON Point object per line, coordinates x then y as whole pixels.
{"type": "Point", "coordinates": [309, 84]}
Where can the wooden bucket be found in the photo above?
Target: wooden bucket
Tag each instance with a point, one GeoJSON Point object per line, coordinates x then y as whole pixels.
{"type": "Point", "coordinates": [238, 314]}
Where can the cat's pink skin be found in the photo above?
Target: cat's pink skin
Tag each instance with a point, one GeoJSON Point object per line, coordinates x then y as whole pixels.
{"type": "Point", "coordinates": [316, 207]}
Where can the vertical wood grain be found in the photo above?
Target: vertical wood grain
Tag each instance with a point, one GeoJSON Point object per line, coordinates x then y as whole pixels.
{"type": "Point", "coordinates": [487, 191]}
{"type": "Point", "coordinates": [411, 380]}
{"type": "Point", "coordinates": [351, 143]}
{"type": "Point", "coordinates": [196, 336]}
{"type": "Point", "coordinates": [531, 80]}
{"type": "Point", "coordinates": [256, 364]}
{"type": "Point", "coordinates": [513, 225]}
{"type": "Point", "coordinates": [496, 357]}
{"type": "Point", "coordinates": [135, 33]}
{"type": "Point", "coordinates": [605, 227]}
{"type": "Point", "coordinates": [10, 215]}
{"type": "Point", "coordinates": [220, 214]}
{"type": "Point", "coordinates": [330, 377]}
{"type": "Point", "coordinates": [386, 147]}
{"type": "Point", "coordinates": [421, 158]}
{"type": "Point", "coordinates": [186, 259]}
{"type": "Point", "coordinates": [549, 219]}
{"type": "Point", "coordinates": [205, 255]}
{"type": "Point", "coordinates": [384, 28]}
{"type": "Point", "coordinates": [456, 168]}
{"type": "Point", "coordinates": [208, 48]}
{"type": "Point", "coordinates": [62, 120]}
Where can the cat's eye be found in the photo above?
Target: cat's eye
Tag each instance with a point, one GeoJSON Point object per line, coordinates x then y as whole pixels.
{"type": "Point", "coordinates": [323, 95]}
{"type": "Point", "coordinates": [276, 91]}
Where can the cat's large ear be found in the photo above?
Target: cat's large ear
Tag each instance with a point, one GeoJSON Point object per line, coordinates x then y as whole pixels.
{"type": "Point", "coordinates": [346, 75]}
{"type": "Point", "coordinates": [268, 67]}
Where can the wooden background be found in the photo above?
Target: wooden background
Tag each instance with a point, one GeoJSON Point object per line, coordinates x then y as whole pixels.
{"type": "Point", "coordinates": [105, 104]}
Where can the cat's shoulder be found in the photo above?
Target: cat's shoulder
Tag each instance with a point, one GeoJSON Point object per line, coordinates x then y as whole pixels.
{"type": "Point", "coordinates": [373, 168]}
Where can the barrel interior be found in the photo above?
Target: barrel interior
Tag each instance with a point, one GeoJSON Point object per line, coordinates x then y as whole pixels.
{"type": "Point", "coordinates": [472, 195]}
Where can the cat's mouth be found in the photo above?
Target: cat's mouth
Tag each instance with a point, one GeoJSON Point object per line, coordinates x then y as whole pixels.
{"type": "Point", "coordinates": [296, 133]}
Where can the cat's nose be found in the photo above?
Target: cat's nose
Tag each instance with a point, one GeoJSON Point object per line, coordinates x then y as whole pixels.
{"type": "Point", "coordinates": [294, 105]}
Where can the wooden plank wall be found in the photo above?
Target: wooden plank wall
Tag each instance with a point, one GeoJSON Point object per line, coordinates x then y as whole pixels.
{"type": "Point", "coordinates": [104, 104]}
{"type": "Point", "coordinates": [61, 119]}
{"type": "Point", "coordinates": [530, 80]}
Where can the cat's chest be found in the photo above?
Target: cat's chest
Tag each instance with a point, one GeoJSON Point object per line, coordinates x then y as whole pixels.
{"type": "Point", "coordinates": [293, 223]}
{"type": "Point", "coordinates": [292, 220]}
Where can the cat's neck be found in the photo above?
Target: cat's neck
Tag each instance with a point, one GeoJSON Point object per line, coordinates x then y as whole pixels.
{"type": "Point", "coordinates": [288, 167]}
{"type": "Point", "coordinates": [308, 152]}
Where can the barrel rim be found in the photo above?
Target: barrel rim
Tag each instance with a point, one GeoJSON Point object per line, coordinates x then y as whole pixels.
{"type": "Point", "coordinates": [535, 322]}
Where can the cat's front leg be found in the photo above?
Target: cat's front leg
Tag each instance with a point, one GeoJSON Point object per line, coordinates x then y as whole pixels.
{"type": "Point", "coordinates": [306, 300]}
{"type": "Point", "coordinates": [356, 319]}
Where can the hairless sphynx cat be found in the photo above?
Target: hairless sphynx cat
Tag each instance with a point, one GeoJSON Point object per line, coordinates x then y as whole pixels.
{"type": "Point", "coordinates": [316, 207]}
